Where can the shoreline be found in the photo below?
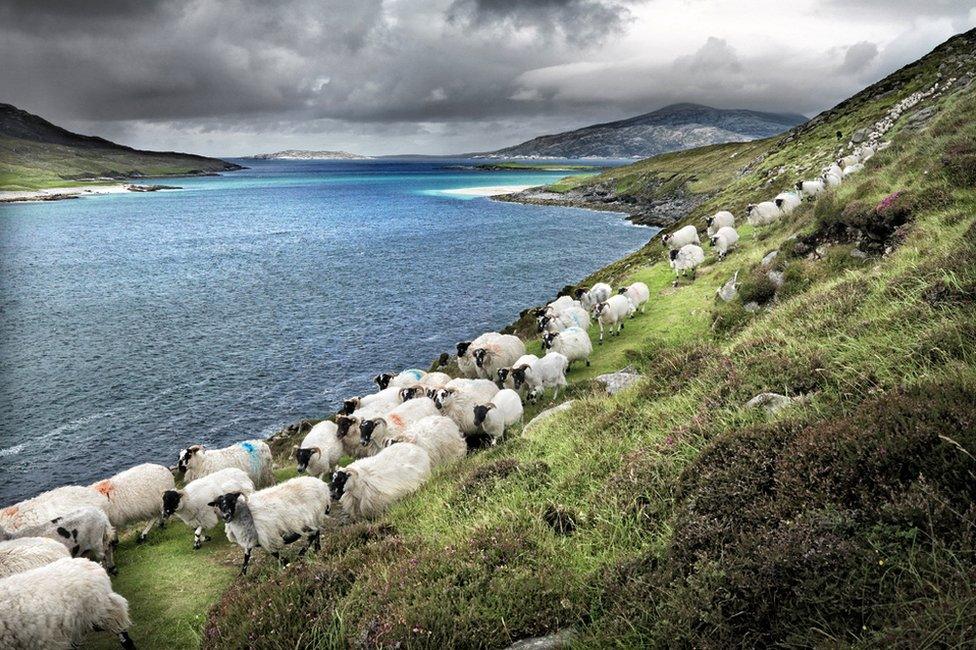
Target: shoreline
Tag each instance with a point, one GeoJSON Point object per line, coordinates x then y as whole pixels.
{"type": "Point", "coordinates": [77, 192]}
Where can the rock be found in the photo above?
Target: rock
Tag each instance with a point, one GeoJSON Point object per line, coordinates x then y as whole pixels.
{"type": "Point", "coordinates": [561, 639]}
{"type": "Point", "coordinates": [917, 119]}
{"type": "Point", "coordinates": [151, 188]}
{"type": "Point", "coordinates": [859, 136]}
{"type": "Point", "coordinates": [772, 402]}
{"type": "Point", "coordinates": [766, 261]}
{"type": "Point", "coordinates": [615, 382]}
{"type": "Point", "coordinates": [751, 307]}
{"type": "Point", "coordinates": [548, 413]}
{"type": "Point", "coordinates": [729, 290]}
{"type": "Point", "coordinates": [777, 278]}
{"type": "Point", "coordinates": [859, 254]}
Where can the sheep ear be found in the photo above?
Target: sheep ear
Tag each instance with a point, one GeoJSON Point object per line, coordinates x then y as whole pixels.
{"type": "Point", "coordinates": [316, 450]}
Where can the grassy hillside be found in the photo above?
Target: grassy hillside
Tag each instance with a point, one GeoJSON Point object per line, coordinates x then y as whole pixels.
{"type": "Point", "coordinates": [36, 154]}
{"type": "Point", "coordinates": [671, 514]}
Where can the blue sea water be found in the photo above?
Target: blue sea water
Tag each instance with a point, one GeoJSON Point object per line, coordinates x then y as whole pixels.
{"type": "Point", "coordinates": [132, 325]}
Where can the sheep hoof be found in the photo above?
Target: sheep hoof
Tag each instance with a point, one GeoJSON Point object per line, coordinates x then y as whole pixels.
{"type": "Point", "coordinates": [141, 539]}
{"type": "Point", "coordinates": [196, 546]}
{"type": "Point", "coordinates": [587, 363]}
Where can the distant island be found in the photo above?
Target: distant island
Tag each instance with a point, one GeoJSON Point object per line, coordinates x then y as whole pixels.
{"type": "Point", "coordinates": [672, 128]}
{"type": "Point", "coordinates": [302, 154]}
{"type": "Point", "coordinates": [35, 154]}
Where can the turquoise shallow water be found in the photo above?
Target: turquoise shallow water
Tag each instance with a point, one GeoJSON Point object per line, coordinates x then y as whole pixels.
{"type": "Point", "coordinates": [135, 324]}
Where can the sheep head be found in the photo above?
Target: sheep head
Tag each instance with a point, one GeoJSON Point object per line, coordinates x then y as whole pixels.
{"type": "Point", "coordinates": [481, 412]}
{"type": "Point", "coordinates": [443, 396]}
{"type": "Point", "coordinates": [407, 394]}
{"type": "Point", "coordinates": [462, 348]}
{"type": "Point", "coordinates": [548, 338]}
{"type": "Point", "coordinates": [171, 501]}
{"type": "Point", "coordinates": [383, 380]}
{"type": "Point", "coordinates": [186, 456]}
{"type": "Point", "coordinates": [304, 456]}
{"type": "Point", "coordinates": [344, 424]}
{"type": "Point", "coordinates": [368, 427]}
{"type": "Point", "coordinates": [226, 505]}
{"type": "Point", "coordinates": [349, 406]}
{"type": "Point", "coordinates": [479, 356]}
{"type": "Point", "coordinates": [339, 483]}
{"type": "Point", "coordinates": [502, 376]}
{"type": "Point", "coordinates": [518, 376]}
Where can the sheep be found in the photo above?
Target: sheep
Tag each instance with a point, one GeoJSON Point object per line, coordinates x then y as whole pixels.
{"type": "Point", "coordinates": [385, 399]}
{"type": "Point", "coordinates": [367, 487]}
{"type": "Point", "coordinates": [501, 352]}
{"type": "Point", "coordinates": [810, 188]}
{"type": "Point", "coordinates": [560, 304]}
{"type": "Point", "coordinates": [613, 312]}
{"type": "Point", "coordinates": [435, 380]}
{"type": "Point", "coordinates": [26, 553]}
{"type": "Point", "coordinates": [787, 201]}
{"type": "Point", "coordinates": [56, 605]}
{"type": "Point", "coordinates": [689, 257]}
{"type": "Point", "coordinates": [548, 371]}
{"type": "Point", "coordinates": [134, 495]}
{"type": "Point", "coordinates": [831, 179]}
{"type": "Point", "coordinates": [405, 378]}
{"type": "Point", "coordinates": [760, 214]}
{"type": "Point", "coordinates": [866, 153]}
{"type": "Point", "coordinates": [637, 293]}
{"type": "Point", "coordinates": [275, 516]}
{"type": "Point", "coordinates": [505, 374]}
{"type": "Point", "coordinates": [853, 169]}
{"type": "Point", "coordinates": [48, 505]}
{"type": "Point", "coordinates": [252, 456]}
{"type": "Point", "coordinates": [192, 503]}
{"type": "Point", "coordinates": [847, 161]}
{"type": "Point", "coordinates": [724, 240]}
{"type": "Point", "coordinates": [681, 237]}
{"type": "Point", "coordinates": [595, 295]}
{"type": "Point", "coordinates": [504, 410]}
{"type": "Point", "coordinates": [320, 450]}
{"type": "Point", "coordinates": [834, 169]}
{"type": "Point", "coordinates": [718, 220]}
{"type": "Point", "coordinates": [439, 436]}
{"type": "Point", "coordinates": [458, 399]}
{"type": "Point", "coordinates": [84, 532]}
{"type": "Point", "coordinates": [573, 343]}
{"type": "Point", "coordinates": [573, 316]}
{"type": "Point", "coordinates": [374, 432]}
{"type": "Point", "coordinates": [467, 365]}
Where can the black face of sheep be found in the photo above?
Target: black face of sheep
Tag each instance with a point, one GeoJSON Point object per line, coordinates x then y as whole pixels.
{"type": "Point", "coordinates": [349, 406]}
{"type": "Point", "coordinates": [578, 293]}
{"type": "Point", "coordinates": [185, 456]}
{"type": "Point", "coordinates": [548, 339]}
{"type": "Point", "coordinates": [304, 456]}
{"type": "Point", "coordinates": [799, 186]}
{"type": "Point", "coordinates": [343, 423]}
{"type": "Point", "coordinates": [462, 348]}
{"type": "Point", "coordinates": [750, 208]}
{"type": "Point", "coordinates": [431, 393]}
{"type": "Point", "coordinates": [673, 255]}
{"type": "Point", "coordinates": [518, 377]}
{"type": "Point", "coordinates": [480, 413]}
{"type": "Point", "coordinates": [779, 203]}
{"type": "Point", "coordinates": [408, 394]}
{"type": "Point", "coordinates": [171, 501]}
{"type": "Point", "coordinates": [502, 375]}
{"type": "Point", "coordinates": [383, 380]}
{"type": "Point", "coordinates": [479, 357]}
{"type": "Point", "coordinates": [366, 428]}
{"type": "Point", "coordinates": [338, 485]}
{"type": "Point", "coordinates": [665, 239]}
{"type": "Point", "coordinates": [442, 396]}
{"type": "Point", "coordinates": [709, 220]}
{"type": "Point", "coordinates": [226, 505]}
{"type": "Point", "coordinates": [543, 321]}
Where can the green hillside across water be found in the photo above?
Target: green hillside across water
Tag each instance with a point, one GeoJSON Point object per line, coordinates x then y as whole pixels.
{"type": "Point", "coordinates": [671, 514]}
{"type": "Point", "coordinates": [35, 154]}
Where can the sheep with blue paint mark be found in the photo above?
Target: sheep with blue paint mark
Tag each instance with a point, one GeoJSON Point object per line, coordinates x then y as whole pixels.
{"type": "Point", "coordinates": [252, 456]}
{"type": "Point", "coordinates": [401, 380]}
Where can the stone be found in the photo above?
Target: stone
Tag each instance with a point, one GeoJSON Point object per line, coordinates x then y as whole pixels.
{"type": "Point", "coordinates": [773, 403]}
{"type": "Point", "coordinates": [728, 291]}
{"type": "Point", "coordinates": [766, 261]}
{"type": "Point", "coordinates": [858, 253]}
{"type": "Point", "coordinates": [751, 307]}
{"type": "Point", "coordinates": [548, 413]}
{"type": "Point", "coordinates": [777, 278]}
{"type": "Point", "coordinates": [561, 639]}
{"type": "Point", "coordinates": [859, 136]}
{"type": "Point", "coordinates": [615, 382]}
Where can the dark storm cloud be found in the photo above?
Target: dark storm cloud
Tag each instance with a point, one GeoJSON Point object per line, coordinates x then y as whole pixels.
{"type": "Point", "coordinates": [579, 21]}
{"type": "Point", "coordinates": [858, 56]}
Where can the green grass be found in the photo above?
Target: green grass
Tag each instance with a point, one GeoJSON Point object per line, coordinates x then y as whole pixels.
{"type": "Point", "coordinates": [846, 519]}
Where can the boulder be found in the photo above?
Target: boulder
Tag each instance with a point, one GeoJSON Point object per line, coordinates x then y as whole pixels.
{"type": "Point", "coordinates": [615, 382]}
{"type": "Point", "coordinates": [561, 639]}
{"type": "Point", "coordinates": [773, 403]}
{"type": "Point", "coordinates": [548, 413]}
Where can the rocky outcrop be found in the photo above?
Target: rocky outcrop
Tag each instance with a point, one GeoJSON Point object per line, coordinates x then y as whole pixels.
{"type": "Point", "coordinates": [615, 382]}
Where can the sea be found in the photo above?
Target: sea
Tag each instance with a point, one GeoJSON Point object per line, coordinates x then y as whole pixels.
{"type": "Point", "coordinates": [135, 324]}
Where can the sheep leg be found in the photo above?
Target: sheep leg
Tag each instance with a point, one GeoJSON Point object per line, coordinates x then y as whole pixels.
{"type": "Point", "coordinates": [601, 333]}
{"type": "Point", "coordinates": [198, 538]}
{"type": "Point", "coordinates": [145, 531]}
{"type": "Point", "coordinates": [126, 641]}
{"type": "Point", "coordinates": [247, 560]}
{"type": "Point", "coordinates": [108, 560]}
{"type": "Point", "coordinates": [587, 362]}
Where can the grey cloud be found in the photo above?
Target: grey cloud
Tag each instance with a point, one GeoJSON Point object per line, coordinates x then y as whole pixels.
{"type": "Point", "coordinates": [858, 57]}
{"type": "Point", "coordinates": [578, 21]}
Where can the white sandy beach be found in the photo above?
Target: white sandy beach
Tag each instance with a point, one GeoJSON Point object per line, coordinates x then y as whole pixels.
{"type": "Point", "coordinates": [490, 190]}
{"type": "Point", "coordinates": [62, 192]}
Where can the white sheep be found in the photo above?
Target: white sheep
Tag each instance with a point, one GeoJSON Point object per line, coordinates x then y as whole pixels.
{"type": "Point", "coordinates": [367, 487]}
{"type": "Point", "coordinates": [459, 397]}
{"type": "Point", "coordinates": [847, 161]}
{"type": "Point", "coordinates": [637, 293]}
{"type": "Point", "coordinates": [500, 352]}
{"type": "Point", "coordinates": [26, 553]}
{"type": "Point", "coordinates": [379, 402]}
{"type": "Point", "coordinates": [834, 169]}
{"type": "Point", "coordinates": [572, 316]}
{"type": "Point", "coordinates": [549, 371]}
{"type": "Point", "coordinates": [688, 258]}
{"type": "Point", "coordinates": [135, 494]}
{"type": "Point", "coordinates": [252, 456]}
{"type": "Point", "coordinates": [718, 220]}
{"type": "Point", "coordinates": [787, 202]}
{"type": "Point", "coordinates": [84, 532]}
{"type": "Point", "coordinates": [760, 214]}
{"type": "Point", "coordinates": [505, 379]}
{"type": "Point", "coordinates": [374, 432]}
{"type": "Point", "coordinates": [402, 380]}
{"type": "Point", "coordinates": [276, 516]}
{"type": "Point", "coordinates": [612, 313]}
{"type": "Point", "coordinates": [467, 365]}
{"type": "Point", "coordinates": [561, 303]}
{"type": "Point", "coordinates": [48, 505]}
{"type": "Point", "coordinates": [192, 503]}
{"type": "Point", "coordinates": [865, 153]}
{"type": "Point", "coordinates": [439, 436]}
{"type": "Point", "coordinates": [58, 604]}
{"type": "Point", "coordinates": [724, 240]}
{"type": "Point", "coordinates": [320, 450]}
{"type": "Point", "coordinates": [810, 188]}
{"type": "Point", "coordinates": [573, 343]}
{"type": "Point", "coordinates": [435, 380]}
{"type": "Point", "coordinates": [594, 295]}
{"type": "Point", "coordinates": [681, 237]}
{"type": "Point", "coordinates": [832, 180]}
{"type": "Point", "coordinates": [504, 410]}
{"type": "Point", "coordinates": [853, 169]}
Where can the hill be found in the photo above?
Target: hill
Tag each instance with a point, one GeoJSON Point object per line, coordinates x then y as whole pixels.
{"type": "Point", "coordinates": [672, 128]}
{"type": "Point", "coordinates": [674, 514]}
{"type": "Point", "coordinates": [37, 154]}
{"type": "Point", "coordinates": [302, 154]}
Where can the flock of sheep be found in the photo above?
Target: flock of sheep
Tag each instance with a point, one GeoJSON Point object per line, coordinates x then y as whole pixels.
{"type": "Point", "coordinates": [56, 549]}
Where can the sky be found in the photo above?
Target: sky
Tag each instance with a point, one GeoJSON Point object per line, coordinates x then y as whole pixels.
{"type": "Point", "coordinates": [239, 77]}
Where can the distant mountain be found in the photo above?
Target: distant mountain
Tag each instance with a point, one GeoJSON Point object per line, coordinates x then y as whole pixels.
{"type": "Point", "coordinates": [36, 154]}
{"type": "Point", "coordinates": [301, 154]}
{"type": "Point", "coordinates": [679, 126]}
